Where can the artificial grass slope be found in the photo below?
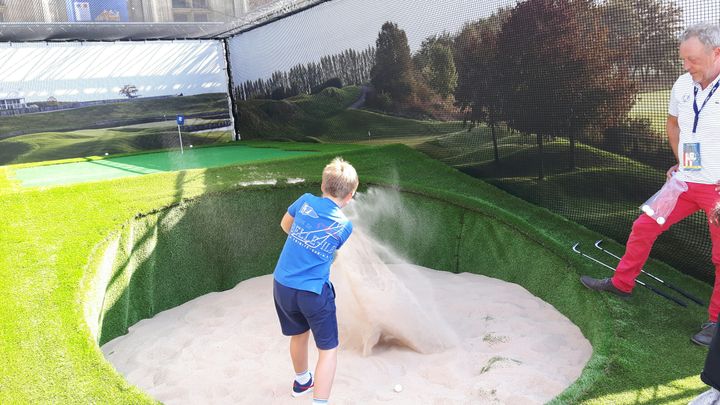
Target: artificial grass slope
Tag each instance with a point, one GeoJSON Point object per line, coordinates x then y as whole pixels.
{"type": "Point", "coordinates": [326, 116]}
{"type": "Point", "coordinates": [96, 142]}
{"type": "Point", "coordinates": [210, 244]}
{"type": "Point", "coordinates": [642, 353]}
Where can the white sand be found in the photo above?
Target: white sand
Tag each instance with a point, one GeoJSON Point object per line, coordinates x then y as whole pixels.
{"type": "Point", "coordinates": [446, 338]}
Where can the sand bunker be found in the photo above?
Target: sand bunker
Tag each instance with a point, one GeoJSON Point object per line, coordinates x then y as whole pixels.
{"type": "Point", "coordinates": [445, 338]}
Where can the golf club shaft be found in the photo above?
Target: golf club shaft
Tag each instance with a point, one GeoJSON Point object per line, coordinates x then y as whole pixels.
{"type": "Point", "coordinates": [671, 286]}
{"type": "Point", "coordinates": [651, 288]}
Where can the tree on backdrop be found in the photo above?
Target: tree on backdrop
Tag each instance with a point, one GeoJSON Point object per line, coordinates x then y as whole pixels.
{"type": "Point", "coordinates": [435, 64]}
{"type": "Point", "coordinates": [557, 63]}
{"type": "Point", "coordinates": [351, 67]}
{"type": "Point", "coordinates": [393, 70]}
{"type": "Point", "coordinates": [479, 90]}
{"type": "Point", "coordinates": [646, 31]}
{"type": "Point", "coordinates": [129, 91]}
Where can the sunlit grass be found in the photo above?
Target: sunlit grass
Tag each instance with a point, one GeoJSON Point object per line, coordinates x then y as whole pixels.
{"type": "Point", "coordinates": [652, 106]}
{"type": "Point", "coordinates": [680, 391]}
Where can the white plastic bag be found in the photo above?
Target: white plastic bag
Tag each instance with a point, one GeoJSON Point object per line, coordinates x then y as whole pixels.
{"type": "Point", "coordinates": [662, 203]}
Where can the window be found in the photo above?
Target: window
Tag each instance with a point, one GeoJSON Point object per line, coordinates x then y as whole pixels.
{"type": "Point", "coordinates": [200, 17]}
{"type": "Point", "coordinates": [197, 4]}
{"type": "Point", "coordinates": [181, 4]}
{"type": "Point", "coordinates": [181, 17]}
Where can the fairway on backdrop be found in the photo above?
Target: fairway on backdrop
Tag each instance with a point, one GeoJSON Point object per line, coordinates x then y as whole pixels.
{"type": "Point", "coordinates": [408, 335]}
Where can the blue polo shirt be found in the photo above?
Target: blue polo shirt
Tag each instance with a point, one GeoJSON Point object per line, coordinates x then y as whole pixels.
{"type": "Point", "coordinates": [319, 229]}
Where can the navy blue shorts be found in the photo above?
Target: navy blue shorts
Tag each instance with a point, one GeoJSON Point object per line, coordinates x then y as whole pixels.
{"type": "Point", "coordinates": [300, 310]}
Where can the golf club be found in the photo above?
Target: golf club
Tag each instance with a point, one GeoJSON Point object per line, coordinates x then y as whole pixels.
{"type": "Point", "coordinates": [653, 289]}
{"type": "Point", "coordinates": [678, 290]}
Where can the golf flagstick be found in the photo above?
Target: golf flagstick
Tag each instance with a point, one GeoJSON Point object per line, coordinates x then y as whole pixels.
{"type": "Point", "coordinates": [668, 285]}
{"type": "Point", "coordinates": [651, 288]}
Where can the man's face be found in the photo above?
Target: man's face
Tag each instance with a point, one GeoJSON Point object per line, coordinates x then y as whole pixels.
{"type": "Point", "coordinates": [699, 61]}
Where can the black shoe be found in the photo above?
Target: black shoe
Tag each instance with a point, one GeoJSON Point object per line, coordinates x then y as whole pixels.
{"type": "Point", "coordinates": [604, 284]}
{"type": "Point", "coordinates": [704, 337]}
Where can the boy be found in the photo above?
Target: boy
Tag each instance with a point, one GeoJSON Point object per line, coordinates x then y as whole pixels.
{"type": "Point", "coordinates": [304, 297]}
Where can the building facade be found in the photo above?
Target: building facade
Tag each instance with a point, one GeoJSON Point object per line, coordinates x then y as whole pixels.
{"type": "Point", "coordinates": [144, 11]}
{"type": "Point", "coordinates": [12, 103]}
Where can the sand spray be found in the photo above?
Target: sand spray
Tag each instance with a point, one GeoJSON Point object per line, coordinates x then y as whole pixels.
{"type": "Point", "coordinates": [380, 299]}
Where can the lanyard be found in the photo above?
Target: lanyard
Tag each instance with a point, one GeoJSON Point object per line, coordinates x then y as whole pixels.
{"type": "Point", "coordinates": [695, 108]}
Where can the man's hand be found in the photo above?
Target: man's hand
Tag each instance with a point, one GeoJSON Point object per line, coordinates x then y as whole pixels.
{"type": "Point", "coordinates": [674, 169]}
{"type": "Point", "coordinates": [713, 216]}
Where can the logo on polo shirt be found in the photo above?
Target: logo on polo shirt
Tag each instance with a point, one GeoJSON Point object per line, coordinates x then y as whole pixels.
{"type": "Point", "coordinates": [308, 211]}
{"type": "Point", "coordinates": [686, 98]}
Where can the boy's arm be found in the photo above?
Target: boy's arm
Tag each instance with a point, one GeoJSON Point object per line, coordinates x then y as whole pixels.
{"type": "Point", "coordinates": [287, 222]}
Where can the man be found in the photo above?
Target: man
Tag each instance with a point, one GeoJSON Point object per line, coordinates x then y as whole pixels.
{"type": "Point", "coordinates": [693, 127]}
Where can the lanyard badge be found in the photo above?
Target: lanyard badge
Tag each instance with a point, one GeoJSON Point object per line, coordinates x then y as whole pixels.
{"type": "Point", "coordinates": [691, 157]}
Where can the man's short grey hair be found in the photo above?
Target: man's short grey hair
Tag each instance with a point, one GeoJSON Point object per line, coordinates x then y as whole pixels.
{"type": "Point", "coordinates": [708, 34]}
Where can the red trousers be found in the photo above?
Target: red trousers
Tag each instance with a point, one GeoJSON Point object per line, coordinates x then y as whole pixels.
{"type": "Point", "coordinates": [645, 230]}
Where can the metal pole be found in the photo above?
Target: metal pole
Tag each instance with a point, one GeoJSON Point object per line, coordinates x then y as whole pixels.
{"type": "Point", "coordinates": [651, 288]}
{"type": "Point", "coordinates": [180, 136]}
{"type": "Point", "coordinates": [678, 290]}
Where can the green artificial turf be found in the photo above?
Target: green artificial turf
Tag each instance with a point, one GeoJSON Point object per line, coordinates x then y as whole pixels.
{"type": "Point", "coordinates": [127, 127]}
{"type": "Point", "coordinates": [56, 241]}
{"type": "Point", "coordinates": [96, 142]}
{"type": "Point", "coordinates": [130, 112]}
{"type": "Point", "coordinates": [136, 165]}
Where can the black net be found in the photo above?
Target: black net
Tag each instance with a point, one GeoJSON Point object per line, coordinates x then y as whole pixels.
{"type": "Point", "coordinates": [109, 20]}
{"type": "Point", "coordinates": [562, 103]}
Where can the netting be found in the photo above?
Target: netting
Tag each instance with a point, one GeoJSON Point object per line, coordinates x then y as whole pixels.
{"type": "Point", "coordinates": [562, 103]}
{"type": "Point", "coordinates": [110, 20]}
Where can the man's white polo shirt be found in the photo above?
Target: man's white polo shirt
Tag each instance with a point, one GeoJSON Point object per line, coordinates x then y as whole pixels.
{"type": "Point", "coordinates": [699, 153]}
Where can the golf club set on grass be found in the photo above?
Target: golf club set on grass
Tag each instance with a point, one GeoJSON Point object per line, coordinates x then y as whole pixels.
{"type": "Point", "coordinates": [576, 249]}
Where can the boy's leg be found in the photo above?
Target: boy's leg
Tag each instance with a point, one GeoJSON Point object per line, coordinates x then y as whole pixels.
{"type": "Point", "coordinates": [294, 324]}
{"type": "Point", "coordinates": [645, 231]}
{"type": "Point", "coordinates": [299, 351]}
{"type": "Point", "coordinates": [325, 373]}
{"type": "Point", "coordinates": [322, 318]}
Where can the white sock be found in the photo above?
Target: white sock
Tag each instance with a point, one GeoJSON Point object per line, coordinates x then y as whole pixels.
{"type": "Point", "coordinates": [304, 377]}
{"type": "Point", "coordinates": [320, 401]}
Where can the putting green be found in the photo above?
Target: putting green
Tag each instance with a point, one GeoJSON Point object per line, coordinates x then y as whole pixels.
{"type": "Point", "coordinates": [136, 165]}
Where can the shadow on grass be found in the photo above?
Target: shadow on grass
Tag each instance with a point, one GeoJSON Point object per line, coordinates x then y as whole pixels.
{"type": "Point", "coordinates": [194, 248]}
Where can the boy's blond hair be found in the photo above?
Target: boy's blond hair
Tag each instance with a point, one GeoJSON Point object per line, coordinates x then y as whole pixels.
{"type": "Point", "coordinates": [339, 178]}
